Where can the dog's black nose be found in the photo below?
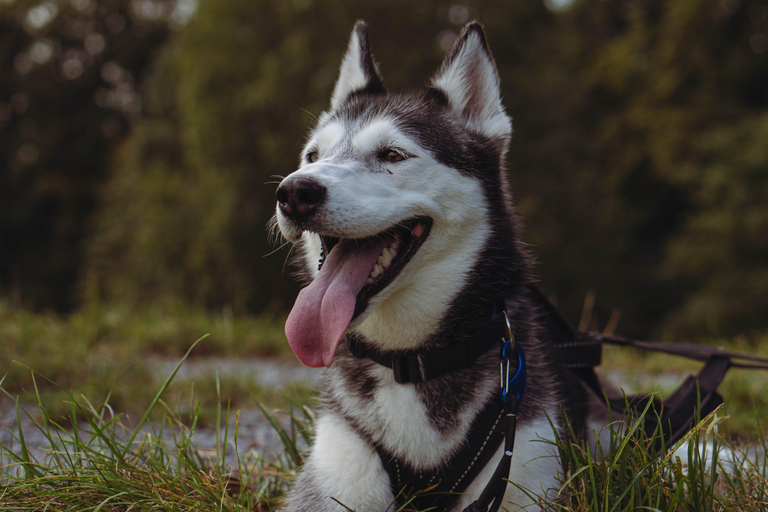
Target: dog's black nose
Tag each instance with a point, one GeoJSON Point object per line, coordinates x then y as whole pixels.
{"type": "Point", "coordinates": [298, 198]}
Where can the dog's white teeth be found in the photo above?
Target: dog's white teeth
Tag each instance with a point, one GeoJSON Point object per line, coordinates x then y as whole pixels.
{"type": "Point", "coordinates": [385, 259]}
{"type": "Point", "coordinates": [382, 264]}
{"type": "Point", "coordinates": [395, 245]}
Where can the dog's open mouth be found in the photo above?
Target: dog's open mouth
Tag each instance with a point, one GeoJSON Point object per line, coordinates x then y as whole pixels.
{"type": "Point", "coordinates": [351, 272]}
{"type": "Point", "coordinates": [399, 245]}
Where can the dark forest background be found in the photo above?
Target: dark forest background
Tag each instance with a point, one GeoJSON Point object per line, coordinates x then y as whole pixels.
{"type": "Point", "coordinates": [136, 138]}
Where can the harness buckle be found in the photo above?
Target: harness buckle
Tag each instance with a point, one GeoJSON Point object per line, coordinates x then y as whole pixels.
{"type": "Point", "coordinates": [407, 369]}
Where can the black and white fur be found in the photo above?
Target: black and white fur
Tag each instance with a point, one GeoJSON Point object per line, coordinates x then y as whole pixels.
{"type": "Point", "coordinates": [454, 134]}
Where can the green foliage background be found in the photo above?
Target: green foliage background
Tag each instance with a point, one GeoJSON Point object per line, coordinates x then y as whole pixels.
{"type": "Point", "coordinates": [639, 158]}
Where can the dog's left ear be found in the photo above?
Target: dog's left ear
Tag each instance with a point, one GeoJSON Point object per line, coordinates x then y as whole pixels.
{"type": "Point", "coordinates": [469, 80]}
{"type": "Point", "coordinates": [358, 70]}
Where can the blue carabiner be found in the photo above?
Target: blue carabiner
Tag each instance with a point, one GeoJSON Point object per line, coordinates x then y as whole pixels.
{"type": "Point", "coordinates": [517, 382]}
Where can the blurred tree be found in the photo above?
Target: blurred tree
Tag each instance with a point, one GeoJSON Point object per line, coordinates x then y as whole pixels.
{"type": "Point", "coordinates": [67, 74]}
{"type": "Point", "coordinates": [234, 96]}
{"type": "Point", "coordinates": [638, 157]}
{"type": "Point", "coordinates": [634, 142]}
{"type": "Point", "coordinates": [721, 255]}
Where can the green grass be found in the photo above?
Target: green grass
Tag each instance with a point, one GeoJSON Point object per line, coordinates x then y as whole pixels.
{"type": "Point", "coordinates": [98, 378]}
{"type": "Point", "coordinates": [163, 329]}
{"type": "Point", "coordinates": [109, 466]}
{"type": "Point", "coordinates": [703, 472]}
{"type": "Point", "coordinates": [102, 351]}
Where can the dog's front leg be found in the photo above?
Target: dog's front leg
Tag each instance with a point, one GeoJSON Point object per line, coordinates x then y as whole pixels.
{"type": "Point", "coordinates": [342, 467]}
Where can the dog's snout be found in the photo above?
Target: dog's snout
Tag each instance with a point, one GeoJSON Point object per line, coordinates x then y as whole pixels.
{"type": "Point", "coordinates": [299, 198]}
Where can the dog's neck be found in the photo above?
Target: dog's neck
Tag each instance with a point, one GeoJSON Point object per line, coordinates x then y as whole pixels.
{"type": "Point", "coordinates": [438, 313]}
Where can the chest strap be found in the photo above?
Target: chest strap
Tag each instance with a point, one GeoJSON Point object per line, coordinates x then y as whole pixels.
{"type": "Point", "coordinates": [445, 484]}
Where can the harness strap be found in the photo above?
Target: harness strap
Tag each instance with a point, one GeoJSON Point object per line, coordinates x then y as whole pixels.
{"type": "Point", "coordinates": [687, 350]}
{"type": "Point", "coordinates": [582, 351]}
{"type": "Point", "coordinates": [575, 350]}
{"type": "Point", "coordinates": [492, 496]}
{"type": "Point", "coordinates": [494, 424]}
{"type": "Point", "coordinates": [447, 482]}
{"type": "Point", "coordinates": [695, 398]}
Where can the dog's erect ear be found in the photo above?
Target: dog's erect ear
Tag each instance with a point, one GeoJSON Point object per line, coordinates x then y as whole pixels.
{"type": "Point", "coordinates": [469, 80]}
{"type": "Point", "coordinates": [358, 71]}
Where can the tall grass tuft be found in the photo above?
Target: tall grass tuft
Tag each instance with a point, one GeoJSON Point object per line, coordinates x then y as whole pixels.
{"type": "Point", "coordinates": [94, 461]}
{"type": "Point", "coordinates": [624, 470]}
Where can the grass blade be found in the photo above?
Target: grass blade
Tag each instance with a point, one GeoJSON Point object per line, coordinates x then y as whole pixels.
{"type": "Point", "coordinates": [159, 394]}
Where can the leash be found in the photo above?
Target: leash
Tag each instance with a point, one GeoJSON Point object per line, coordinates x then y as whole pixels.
{"type": "Point", "coordinates": [493, 494]}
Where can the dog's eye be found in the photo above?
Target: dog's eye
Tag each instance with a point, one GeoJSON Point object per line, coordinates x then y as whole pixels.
{"type": "Point", "coordinates": [312, 156]}
{"type": "Point", "coordinates": [391, 156]}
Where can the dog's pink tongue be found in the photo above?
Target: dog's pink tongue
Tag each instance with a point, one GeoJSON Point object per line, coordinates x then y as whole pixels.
{"type": "Point", "coordinates": [324, 309]}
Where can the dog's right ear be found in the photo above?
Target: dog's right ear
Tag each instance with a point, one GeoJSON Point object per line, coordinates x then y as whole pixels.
{"type": "Point", "coordinates": [470, 82]}
{"type": "Point", "coordinates": [358, 70]}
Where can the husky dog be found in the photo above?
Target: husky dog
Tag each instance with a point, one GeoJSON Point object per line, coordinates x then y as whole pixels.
{"type": "Point", "coordinates": [407, 232]}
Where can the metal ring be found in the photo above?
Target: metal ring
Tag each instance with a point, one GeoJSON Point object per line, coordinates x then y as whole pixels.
{"type": "Point", "coordinates": [509, 330]}
{"type": "Point", "coordinates": [506, 381]}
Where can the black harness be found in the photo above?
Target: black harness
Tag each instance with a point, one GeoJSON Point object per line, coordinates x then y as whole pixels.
{"type": "Point", "coordinates": [580, 353]}
{"type": "Point", "coordinates": [492, 426]}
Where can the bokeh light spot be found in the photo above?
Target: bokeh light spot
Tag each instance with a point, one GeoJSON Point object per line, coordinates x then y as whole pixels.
{"type": "Point", "coordinates": [759, 43]}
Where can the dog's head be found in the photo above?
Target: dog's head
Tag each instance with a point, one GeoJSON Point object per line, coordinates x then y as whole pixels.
{"type": "Point", "coordinates": [391, 200]}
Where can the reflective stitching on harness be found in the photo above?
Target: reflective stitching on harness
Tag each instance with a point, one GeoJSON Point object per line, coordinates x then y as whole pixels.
{"type": "Point", "coordinates": [434, 475]}
{"type": "Point", "coordinates": [490, 433]}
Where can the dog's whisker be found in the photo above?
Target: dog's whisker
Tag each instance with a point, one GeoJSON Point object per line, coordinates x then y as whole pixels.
{"type": "Point", "coordinates": [275, 250]}
{"type": "Point", "coordinates": [274, 235]}
{"type": "Point", "coordinates": [313, 116]}
{"type": "Point", "coordinates": [287, 257]}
